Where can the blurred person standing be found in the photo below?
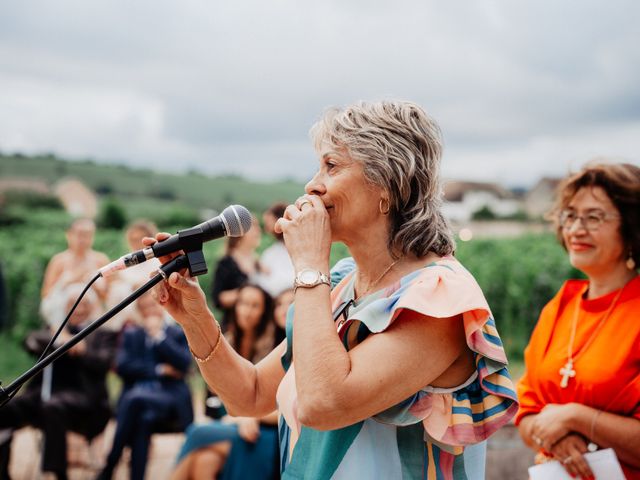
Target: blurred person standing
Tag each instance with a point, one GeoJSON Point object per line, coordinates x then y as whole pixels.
{"type": "Point", "coordinates": [238, 266]}
{"type": "Point", "coordinates": [277, 272]}
{"type": "Point", "coordinates": [73, 396]}
{"type": "Point", "coordinates": [581, 388]}
{"type": "Point", "coordinates": [127, 281]}
{"type": "Point", "coordinates": [77, 264]}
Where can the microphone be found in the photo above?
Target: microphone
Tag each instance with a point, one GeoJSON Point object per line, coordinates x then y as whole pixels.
{"type": "Point", "coordinates": [234, 221]}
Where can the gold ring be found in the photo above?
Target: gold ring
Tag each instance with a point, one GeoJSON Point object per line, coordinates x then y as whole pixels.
{"type": "Point", "coordinates": [567, 460]}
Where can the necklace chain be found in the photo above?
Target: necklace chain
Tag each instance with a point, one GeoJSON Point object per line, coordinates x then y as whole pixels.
{"type": "Point", "coordinates": [568, 371]}
{"type": "Point", "coordinates": [377, 280]}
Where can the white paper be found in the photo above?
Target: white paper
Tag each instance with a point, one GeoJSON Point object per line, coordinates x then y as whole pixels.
{"type": "Point", "coordinates": [604, 465]}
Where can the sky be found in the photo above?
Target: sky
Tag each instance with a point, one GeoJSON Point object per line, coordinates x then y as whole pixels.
{"type": "Point", "coordinates": [520, 89]}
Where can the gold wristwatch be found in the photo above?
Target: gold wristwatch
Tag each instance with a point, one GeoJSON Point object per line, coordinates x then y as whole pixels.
{"type": "Point", "coordinates": [309, 278]}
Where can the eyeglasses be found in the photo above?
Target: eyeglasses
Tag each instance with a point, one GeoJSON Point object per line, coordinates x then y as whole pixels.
{"type": "Point", "coordinates": [590, 221]}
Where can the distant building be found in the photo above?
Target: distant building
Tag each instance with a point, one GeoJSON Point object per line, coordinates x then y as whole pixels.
{"type": "Point", "coordinates": [463, 199]}
{"type": "Point", "coordinates": [539, 200]}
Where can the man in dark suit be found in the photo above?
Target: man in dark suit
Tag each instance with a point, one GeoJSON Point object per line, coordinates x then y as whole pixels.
{"type": "Point", "coordinates": [70, 395]}
{"type": "Point", "coordinates": [152, 361]}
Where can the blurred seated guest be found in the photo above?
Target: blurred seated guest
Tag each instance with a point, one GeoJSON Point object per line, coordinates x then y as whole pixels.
{"type": "Point", "coordinates": [128, 280]}
{"type": "Point", "coordinates": [238, 266]}
{"type": "Point", "coordinates": [72, 394]}
{"type": "Point", "coordinates": [251, 444]}
{"type": "Point", "coordinates": [77, 264]}
{"type": "Point", "coordinates": [276, 268]}
{"type": "Point", "coordinates": [280, 309]}
{"type": "Point", "coordinates": [581, 388]}
{"type": "Point", "coordinates": [153, 361]}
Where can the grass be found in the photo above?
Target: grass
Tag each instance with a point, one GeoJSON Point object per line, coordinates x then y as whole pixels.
{"type": "Point", "coordinates": [14, 359]}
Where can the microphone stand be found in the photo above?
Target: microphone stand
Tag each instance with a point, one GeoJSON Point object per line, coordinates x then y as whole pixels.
{"type": "Point", "coordinates": [178, 263]}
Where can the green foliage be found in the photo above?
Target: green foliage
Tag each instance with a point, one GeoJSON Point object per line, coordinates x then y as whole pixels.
{"type": "Point", "coordinates": [483, 213]}
{"type": "Point", "coordinates": [518, 277]}
{"type": "Point", "coordinates": [177, 216]}
{"type": "Point", "coordinates": [112, 214]}
{"type": "Point", "coordinates": [25, 250]}
{"type": "Point", "coordinates": [14, 359]}
{"type": "Point", "coordinates": [31, 199]}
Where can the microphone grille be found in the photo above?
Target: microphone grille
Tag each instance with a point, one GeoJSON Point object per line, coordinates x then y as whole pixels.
{"type": "Point", "coordinates": [237, 219]}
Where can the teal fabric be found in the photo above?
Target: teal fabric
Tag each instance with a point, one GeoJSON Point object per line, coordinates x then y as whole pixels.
{"type": "Point", "coordinates": [317, 455]}
{"type": "Point", "coordinates": [411, 458]}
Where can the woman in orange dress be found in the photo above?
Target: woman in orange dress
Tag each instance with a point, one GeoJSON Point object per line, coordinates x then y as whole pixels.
{"type": "Point", "coordinates": [581, 388]}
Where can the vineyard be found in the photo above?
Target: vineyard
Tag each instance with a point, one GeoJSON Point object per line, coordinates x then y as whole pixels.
{"type": "Point", "coordinates": [518, 276]}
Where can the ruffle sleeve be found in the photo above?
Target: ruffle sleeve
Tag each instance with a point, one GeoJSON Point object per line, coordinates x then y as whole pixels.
{"type": "Point", "coordinates": [471, 412]}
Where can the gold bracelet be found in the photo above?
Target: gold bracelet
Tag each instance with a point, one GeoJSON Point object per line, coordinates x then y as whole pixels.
{"type": "Point", "coordinates": [213, 350]}
{"type": "Point", "coordinates": [593, 446]}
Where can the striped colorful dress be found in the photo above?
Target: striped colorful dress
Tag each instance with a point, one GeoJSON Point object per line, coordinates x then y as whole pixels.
{"type": "Point", "coordinates": [436, 433]}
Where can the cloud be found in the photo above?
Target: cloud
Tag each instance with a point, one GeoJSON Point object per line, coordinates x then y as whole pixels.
{"type": "Point", "coordinates": [235, 86]}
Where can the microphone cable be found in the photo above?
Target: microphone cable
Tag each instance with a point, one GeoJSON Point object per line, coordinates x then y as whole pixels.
{"type": "Point", "coordinates": [58, 332]}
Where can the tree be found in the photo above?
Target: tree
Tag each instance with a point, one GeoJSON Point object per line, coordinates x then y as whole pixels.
{"type": "Point", "coordinates": [112, 215]}
{"type": "Point", "coordinates": [484, 213]}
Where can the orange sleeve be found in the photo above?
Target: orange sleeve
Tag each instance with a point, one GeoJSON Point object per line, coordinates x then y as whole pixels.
{"type": "Point", "coordinates": [530, 401]}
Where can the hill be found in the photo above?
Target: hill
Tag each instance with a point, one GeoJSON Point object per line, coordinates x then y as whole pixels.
{"type": "Point", "coordinates": [144, 187]}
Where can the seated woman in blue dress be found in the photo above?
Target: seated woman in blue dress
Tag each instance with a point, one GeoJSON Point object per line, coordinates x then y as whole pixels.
{"type": "Point", "coordinates": [238, 447]}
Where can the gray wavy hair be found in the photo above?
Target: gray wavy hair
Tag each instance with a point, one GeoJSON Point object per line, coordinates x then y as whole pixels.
{"type": "Point", "coordinates": [400, 148]}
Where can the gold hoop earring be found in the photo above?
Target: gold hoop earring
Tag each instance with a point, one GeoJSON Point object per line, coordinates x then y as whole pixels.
{"type": "Point", "coordinates": [382, 210]}
{"type": "Point", "coordinates": [630, 263]}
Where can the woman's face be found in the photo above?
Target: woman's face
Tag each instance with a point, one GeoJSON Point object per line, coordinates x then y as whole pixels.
{"type": "Point", "coordinates": [134, 238]}
{"type": "Point", "coordinates": [249, 308]}
{"type": "Point", "coordinates": [80, 236]}
{"type": "Point", "coordinates": [351, 201]}
{"type": "Point", "coordinates": [83, 312]}
{"type": "Point", "coordinates": [282, 305]}
{"type": "Point", "coordinates": [253, 236]}
{"type": "Point", "coordinates": [269, 220]}
{"type": "Point", "coordinates": [148, 306]}
{"type": "Point", "coordinates": [594, 251]}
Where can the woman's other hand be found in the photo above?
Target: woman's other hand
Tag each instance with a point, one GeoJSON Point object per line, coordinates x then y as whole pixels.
{"type": "Point", "coordinates": [180, 294]}
{"type": "Point", "coordinates": [551, 424]}
{"type": "Point", "coordinates": [307, 233]}
{"type": "Point", "coordinates": [569, 451]}
{"type": "Point", "coordinates": [249, 429]}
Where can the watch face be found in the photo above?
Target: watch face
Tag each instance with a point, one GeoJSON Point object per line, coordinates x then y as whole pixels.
{"type": "Point", "coordinates": [308, 277]}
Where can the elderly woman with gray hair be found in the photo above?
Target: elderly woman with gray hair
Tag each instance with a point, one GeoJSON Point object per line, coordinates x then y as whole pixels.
{"type": "Point", "coordinates": [392, 366]}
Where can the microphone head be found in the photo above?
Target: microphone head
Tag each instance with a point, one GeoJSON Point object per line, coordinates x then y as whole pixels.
{"type": "Point", "coordinates": [237, 219]}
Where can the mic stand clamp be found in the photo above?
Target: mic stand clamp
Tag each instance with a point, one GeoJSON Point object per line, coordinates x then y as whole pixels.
{"type": "Point", "coordinates": [191, 242]}
{"type": "Point", "coordinates": [175, 265]}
